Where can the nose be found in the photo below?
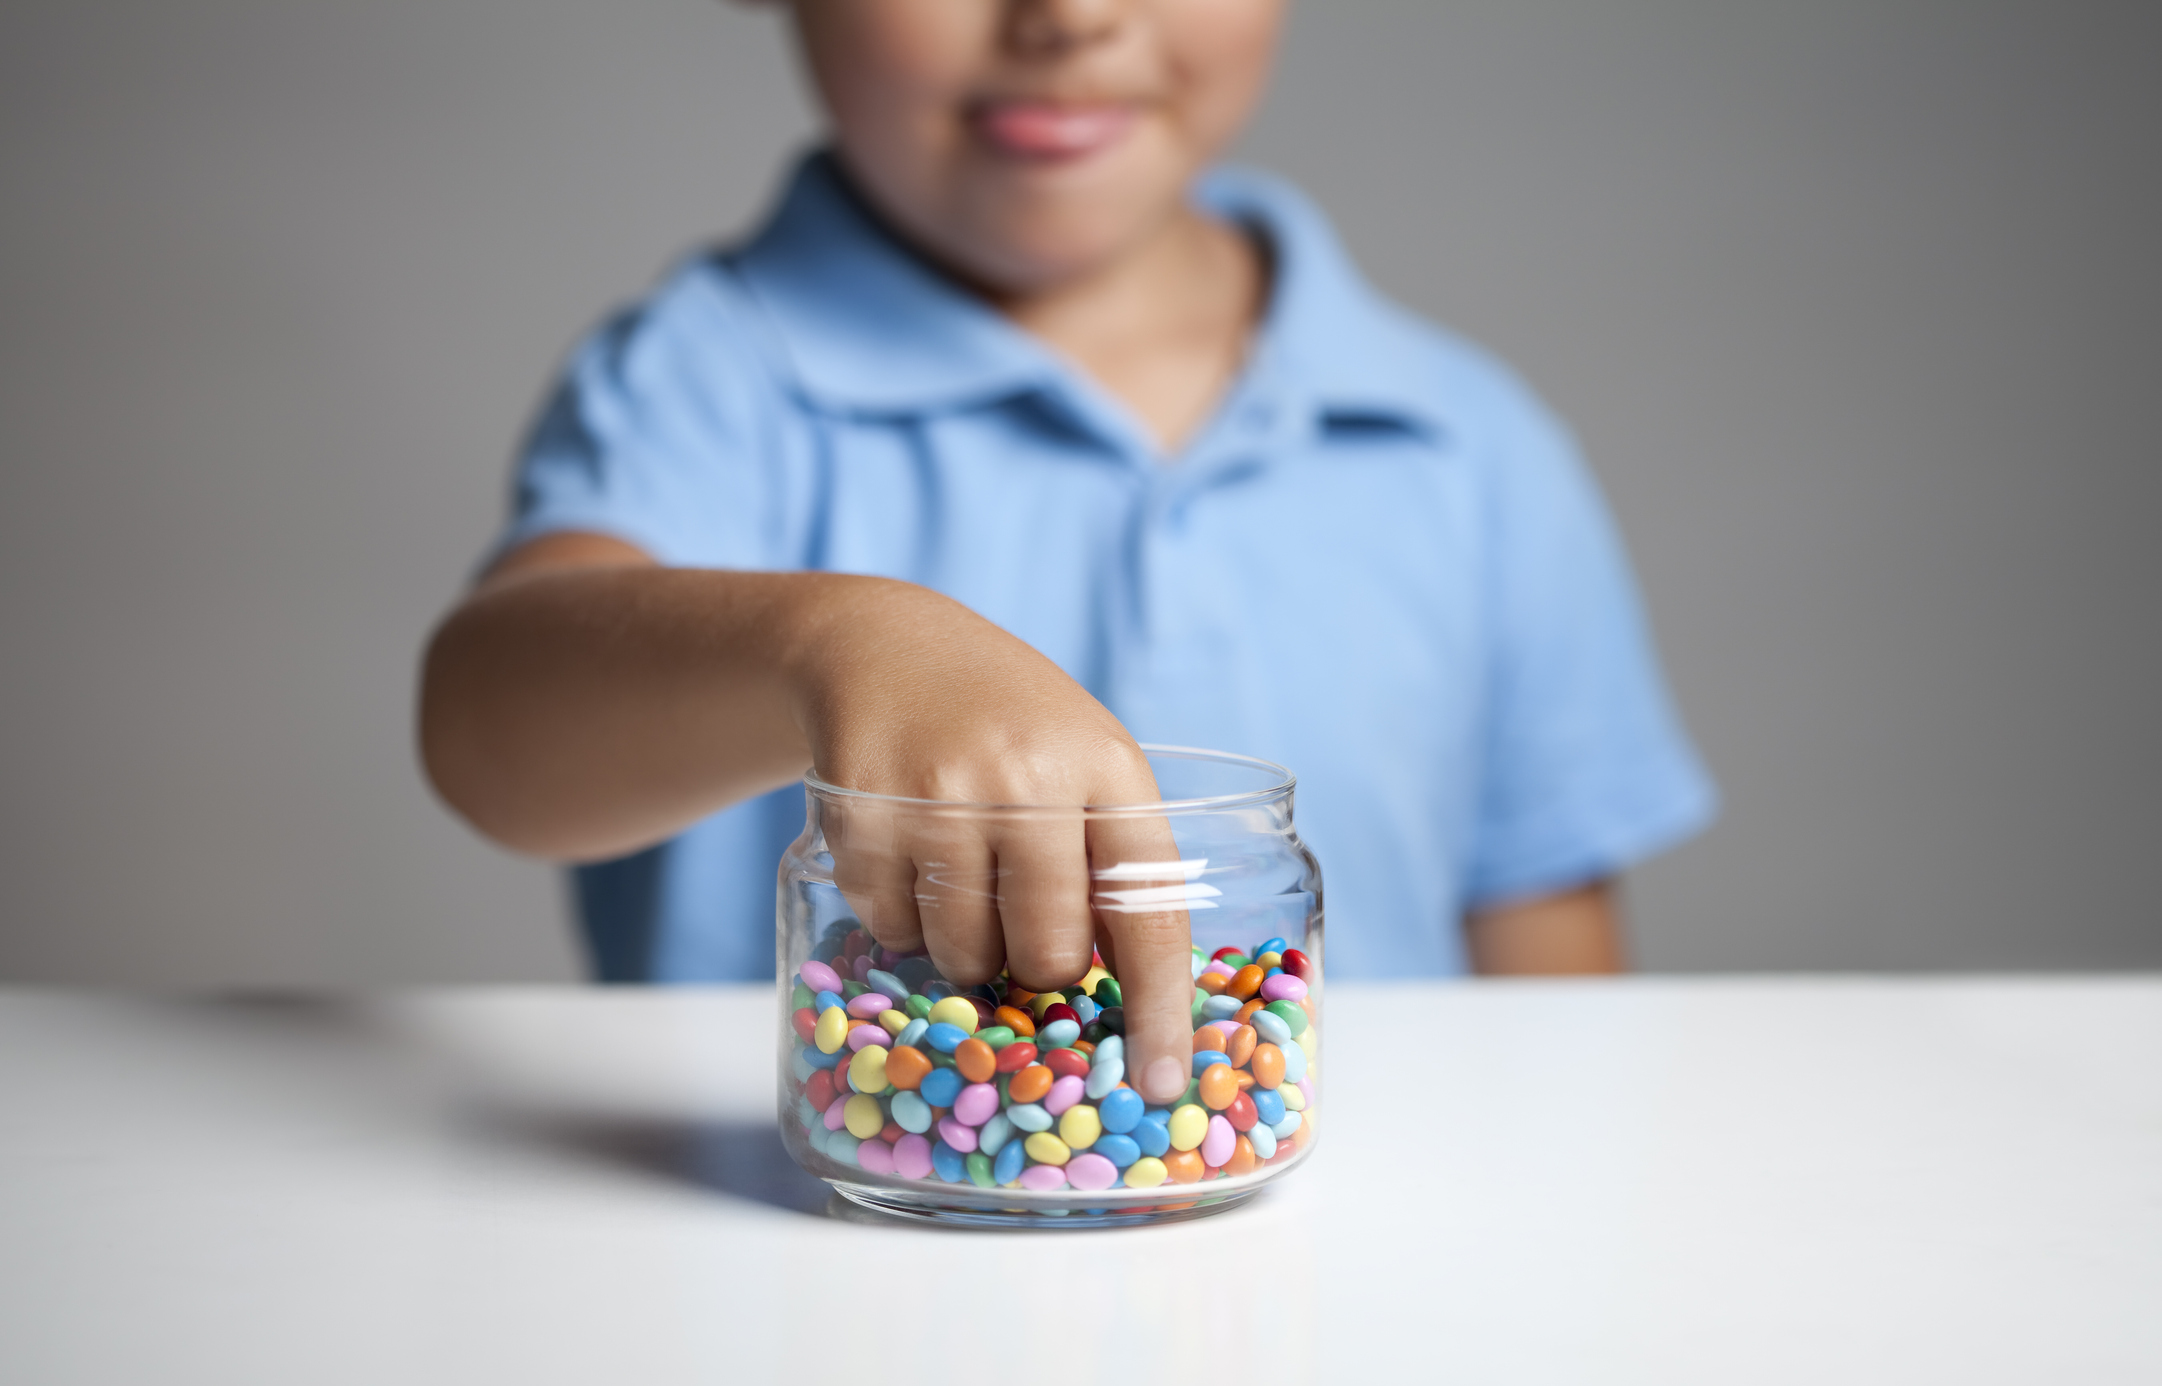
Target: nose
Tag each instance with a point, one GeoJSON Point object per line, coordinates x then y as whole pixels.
{"type": "Point", "coordinates": [1049, 28]}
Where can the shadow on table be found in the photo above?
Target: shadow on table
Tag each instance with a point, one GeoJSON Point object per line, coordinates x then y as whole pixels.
{"type": "Point", "coordinates": [741, 1159]}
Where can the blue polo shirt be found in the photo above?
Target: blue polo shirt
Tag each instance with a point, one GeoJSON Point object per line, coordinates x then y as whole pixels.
{"type": "Point", "coordinates": [1381, 563]}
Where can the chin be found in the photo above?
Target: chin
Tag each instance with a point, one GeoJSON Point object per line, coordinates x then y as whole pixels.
{"type": "Point", "coordinates": [1033, 238]}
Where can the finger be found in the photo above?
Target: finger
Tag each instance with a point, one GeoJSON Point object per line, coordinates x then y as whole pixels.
{"type": "Point", "coordinates": [875, 872]}
{"type": "Point", "coordinates": [1043, 899]}
{"type": "Point", "coordinates": [957, 899]}
{"type": "Point", "coordinates": [1139, 898]}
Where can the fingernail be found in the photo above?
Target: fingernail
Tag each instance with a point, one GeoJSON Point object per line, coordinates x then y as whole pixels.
{"type": "Point", "coordinates": [1163, 1076]}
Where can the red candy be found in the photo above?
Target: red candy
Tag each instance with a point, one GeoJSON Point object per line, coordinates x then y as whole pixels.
{"type": "Point", "coordinates": [1059, 1010]}
{"type": "Point", "coordinates": [805, 1021]}
{"type": "Point", "coordinates": [1016, 1056]}
{"type": "Point", "coordinates": [1067, 1063]}
{"type": "Point", "coordinates": [1220, 954]}
{"type": "Point", "coordinates": [820, 1089]}
{"type": "Point", "coordinates": [1241, 1113]}
{"type": "Point", "coordinates": [1299, 965]}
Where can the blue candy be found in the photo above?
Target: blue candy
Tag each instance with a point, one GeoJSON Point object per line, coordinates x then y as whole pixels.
{"type": "Point", "coordinates": [1272, 972]}
{"type": "Point", "coordinates": [833, 1060]}
{"type": "Point", "coordinates": [1007, 1167]}
{"type": "Point", "coordinates": [1119, 1150]}
{"type": "Point", "coordinates": [916, 1029]}
{"type": "Point", "coordinates": [1269, 945]}
{"type": "Point", "coordinates": [825, 1001]}
{"type": "Point", "coordinates": [946, 1038]}
{"type": "Point", "coordinates": [1153, 1136]}
{"type": "Point", "coordinates": [887, 985]}
{"type": "Point", "coordinates": [940, 1087]}
{"type": "Point", "coordinates": [1120, 1110]}
{"type": "Point", "coordinates": [1087, 1009]}
{"type": "Point", "coordinates": [950, 1164]}
{"type": "Point", "coordinates": [1059, 1034]}
{"type": "Point", "coordinates": [1203, 1058]}
{"type": "Point", "coordinates": [801, 1066]}
{"type": "Point", "coordinates": [1268, 1104]}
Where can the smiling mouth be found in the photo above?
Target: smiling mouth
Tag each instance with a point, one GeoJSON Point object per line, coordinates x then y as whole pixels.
{"type": "Point", "coordinates": [1044, 131]}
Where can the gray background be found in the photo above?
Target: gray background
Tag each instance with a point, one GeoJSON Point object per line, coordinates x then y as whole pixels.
{"type": "Point", "coordinates": [1853, 303]}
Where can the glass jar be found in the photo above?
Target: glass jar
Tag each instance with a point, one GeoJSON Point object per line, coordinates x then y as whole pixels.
{"type": "Point", "coordinates": [916, 1095]}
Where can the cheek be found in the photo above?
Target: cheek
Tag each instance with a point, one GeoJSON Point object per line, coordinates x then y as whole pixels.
{"type": "Point", "coordinates": [1221, 52]}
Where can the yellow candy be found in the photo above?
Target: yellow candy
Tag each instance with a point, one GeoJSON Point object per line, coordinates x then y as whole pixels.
{"type": "Point", "coordinates": [1080, 1127]}
{"type": "Point", "coordinates": [954, 1010]}
{"type": "Point", "coordinates": [1294, 1101]}
{"type": "Point", "coordinates": [1306, 1041]}
{"type": "Point", "coordinates": [893, 1022]}
{"type": "Point", "coordinates": [863, 1117]}
{"type": "Point", "coordinates": [1043, 1001]}
{"type": "Point", "coordinates": [832, 1031]}
{"type": "Point", "coordinates": [1088, 983]}
{"type": "Point", "coordinates": [1188, 1125]}
{"type": "Point", "coordinates": [1146, 1173]}
{"type": "Point", "coordinates": [1046, 1149]}
{"type": "Point", "coordinates": [1269, 960]}
{"type": "Point", "coordinates": [868, 1071]}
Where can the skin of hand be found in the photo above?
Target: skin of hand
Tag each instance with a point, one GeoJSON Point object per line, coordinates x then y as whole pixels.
{"type": "Point", "coordinates": [1575, 933]}
{"type": "Point", "coordinates": [584, 702]}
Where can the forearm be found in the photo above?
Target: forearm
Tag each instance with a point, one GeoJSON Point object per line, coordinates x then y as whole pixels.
{"type": "Point", "coordinates": [1574, 933]}
{"type": "Point", "coordinates": [585, 712]}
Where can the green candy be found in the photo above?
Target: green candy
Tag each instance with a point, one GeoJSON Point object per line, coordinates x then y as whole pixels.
{"type": "Point", "coordinates": [1235, 961]}
{"type": "Point", "coordinates": [979, 1169]}
{"type": "Point", "coordinates": [851, 990]}
{"type": "Point", "coordinates": [939, 1058]}
{"type": "Point", "coordinates": [1193, 1012]}
{"type": "Point", "coordinates": [1108, 994]}
{"type": "Point", "coordinates": [800, 997]}
{"type": "Point", "coordinates": [1291, 1013]}
{"type": "Point", "coordinates": [997, 1036]}
{"type": "Point", "coordinates": [919, 1007]}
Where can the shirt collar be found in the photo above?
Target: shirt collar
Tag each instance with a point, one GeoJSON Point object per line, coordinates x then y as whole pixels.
{"type": "Point", "coordinates": [868, 327]}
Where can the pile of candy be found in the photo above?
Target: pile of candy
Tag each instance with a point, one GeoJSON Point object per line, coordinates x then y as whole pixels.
{"type": "Point", "coordinates": [897, 1071]}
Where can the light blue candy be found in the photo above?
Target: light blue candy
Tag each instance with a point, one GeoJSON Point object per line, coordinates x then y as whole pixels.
{"type": "Point", "coordinates": [802, 1067]}
{"type": "Point", "coordinates": [1269, 1106]}
{"type": "Point", "coordinates": [1153, 1135]}
{"type": "Point", "coordinates": [951, 1164]}
{"type": "Point", "coordinates": [946, 1038]}
{"type": "Point", "coordinates": [1119, 1150]}
{"type": "Point", "coordinates": [1113, 1047]}
{"type": "Point", "coordinates": [1294, 1063]}
{"type": "Point", "coordinates": [1220, 1008]}
{"type": "Point", "coordinates": [841, 1147]}
{"type": "Point", "coordinates": [941, 1086]}
{"type": "Point", "coordinates": [1120, 1111]}
{"type": "Point", "coordinates": [1007, 1167]}
{"type": "Point", "coordinates": [1085, 1008]}
{"type": "Point", "coordinates": [1263, 1141]}
{"type": "Point", "coordinates": [1059, 1034]}
{"type": "Point", "coordinates": [887, 985]}
{"type": "Point", "coordinates": [1284, 1128]}
{"type": "Point", "coordinates": [1267, 1024]}
{"type": "Point", "coordinates": [1204, 1058]}
{"type": "Point", "coordinates": [807, 1113]}
{"type": "Point", "coordinates": [914, 1031]}
{"type": "Point", "coordinates": [995, 1133]}
{"type": "Point", "coordinates": [1103, 1078]}
{"type": "Point", "coordinates": [911, 1112]}
{"type": "Point", "coordinates": [1200, 963]}
{"type": "Point", "coordinates": [1029, 1116]}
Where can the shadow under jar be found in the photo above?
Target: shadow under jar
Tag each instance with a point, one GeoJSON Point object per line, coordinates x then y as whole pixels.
{"type": "Point", "coordinates": [987, 1103]}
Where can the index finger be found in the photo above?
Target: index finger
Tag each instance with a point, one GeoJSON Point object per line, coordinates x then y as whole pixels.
{"type": "Point", "coordinates": [1138, 892]}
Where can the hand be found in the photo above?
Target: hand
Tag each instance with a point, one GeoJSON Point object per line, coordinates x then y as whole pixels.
{"type": "Point", "coordinates": [908, 694]}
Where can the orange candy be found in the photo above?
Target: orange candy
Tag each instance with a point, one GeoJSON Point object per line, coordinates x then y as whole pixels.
{"type": "Point", "coordinates": [1207, 1038]}
{"type": "Point", "coordinates": [1213, 983]}
{"type": "Point", "coordinates": [1242, 1044]}
{"type": "Point", "coordinates": [977, 1061]}
{"type": "Point", "coordinates": [1245, 982]}
{"type": "Point", "coordinates": [1219, 1087]}
{"type": "Point", "coordinates": [1242, 1159]}
{"type": "Point", "coordinates": [1029, 1085]}
{"type": "Point", "coordinates": [1016, 1020]}
{"type": "Point", "coordinates": [1184, 1166]}
{"type": "Point", "coordinates": [906, 1067]}
{"type": "Point", "coordinates": [1268, 1065]}
{"type": "Point", "coordinates": [1244, 1079]}
{"type": "Point", "coordinates": [1246, 1012]}
{"type": "Point", "coordinates": [1085, 1046]}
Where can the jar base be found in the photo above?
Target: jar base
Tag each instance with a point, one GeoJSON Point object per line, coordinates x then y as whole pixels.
{"type": "Point", "coordinates": [929, 1208]}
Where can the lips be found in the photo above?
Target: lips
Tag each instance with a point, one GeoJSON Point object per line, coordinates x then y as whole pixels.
{"type": "Point", "coordinates": [1040, 130]}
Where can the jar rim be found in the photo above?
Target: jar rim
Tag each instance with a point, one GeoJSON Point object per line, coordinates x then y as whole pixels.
{"type": "Point", "coordinates": [1284, 783]}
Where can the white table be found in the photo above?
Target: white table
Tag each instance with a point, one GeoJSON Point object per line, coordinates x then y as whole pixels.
{"type": "Point", "coordinates": [1647, 1181]}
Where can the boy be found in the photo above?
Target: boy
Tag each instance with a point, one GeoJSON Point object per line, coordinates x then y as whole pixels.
{"type": "Point", "coordinates": [1013, 438]}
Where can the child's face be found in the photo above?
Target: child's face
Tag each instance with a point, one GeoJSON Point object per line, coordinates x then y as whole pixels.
{"type": "Point", "coordinates": [1029, 143]}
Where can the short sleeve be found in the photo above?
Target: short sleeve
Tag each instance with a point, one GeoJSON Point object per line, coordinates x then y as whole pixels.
{"type": "Point", "coordinates": [652, 435]}
{"type": "Point", "coordinates": [1585, 767]}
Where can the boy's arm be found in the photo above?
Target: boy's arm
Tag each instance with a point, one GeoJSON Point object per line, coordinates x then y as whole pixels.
{"type": "Point", "coordinates": [1575, 933]}
{"type": "Point", "coordinates": [584, 702]}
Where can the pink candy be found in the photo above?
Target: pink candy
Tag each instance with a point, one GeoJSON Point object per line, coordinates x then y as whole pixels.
{"type": "Point", "coordinates": [819, 977]}
{"type": "Point", "coordinates": [836, 1115]}
{"type": "Point", "coordinates": [867, 1034]}
{"type": "Point", "coordinates": [875, 1156]}
{"type": "Point", "coordinates": [977, 1104]}
{"type": "Point", "coordinates": [1217, 1145]}
{"type": "Point", "coordinates": [1044, 1178]}
{"type": "Point", "coordinates": [1064, 1093]}
{"type": "Point", "coordinates": [1091, 1171]}
{"type": "Point", "coordinates": [1221, 969]}
{"type": "Point", "coordinates": [957, 1134]}
{"type": "Point", "coordinates": [912, 1157]}
{"type": "Point", "coordinates": [1282, 987]}
{"type": "Point", "coordinates": [869, 1006]}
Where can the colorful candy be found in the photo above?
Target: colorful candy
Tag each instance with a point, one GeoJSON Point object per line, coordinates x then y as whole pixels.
{"type": "Point", "coordinates": [895, 1071]}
